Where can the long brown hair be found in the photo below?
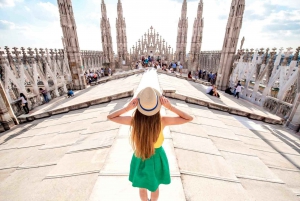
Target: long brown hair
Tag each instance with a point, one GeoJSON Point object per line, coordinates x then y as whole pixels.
{"type": "Point", "coordinates": [144, 133]}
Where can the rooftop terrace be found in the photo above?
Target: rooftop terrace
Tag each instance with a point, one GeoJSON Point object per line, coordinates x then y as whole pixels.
{"type": "Point", "coordinates": [75, 153]}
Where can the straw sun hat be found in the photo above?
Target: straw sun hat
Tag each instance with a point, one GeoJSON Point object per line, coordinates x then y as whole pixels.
{"type": "Point", "coordinates": [149, 102]}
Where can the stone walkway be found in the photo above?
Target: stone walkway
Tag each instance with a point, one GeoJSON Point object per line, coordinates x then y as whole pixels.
{"type": "Point", "coordinates": [196, 93]}
{"type": "Point", "coordinates": [80, 155]}
{"type": "Point", "coordinates": [121, 86]}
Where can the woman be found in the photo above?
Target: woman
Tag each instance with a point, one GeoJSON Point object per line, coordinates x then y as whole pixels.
{"type": "Point", "coordinates": [190, 74]}
{"type": "Point", "coordinates": [214, 92]}
{"type": "Point", "coordinates": [149, 164]}
{"type": "Point", "coordinates": [24, 103]}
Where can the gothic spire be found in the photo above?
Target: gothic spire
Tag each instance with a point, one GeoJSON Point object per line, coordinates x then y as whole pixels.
{"type": "Point", "coordinates": [184, 9]}
{"type": "Point", "coordinates": [103, 10]}
{"type": "Point", "coordinates": [106, 37]}
{"type": "Point", "coordinates": [196, 41]}
{"type": "Point", "coordinates": [120, 10]}
{"type": "Point", "coordinates": [200, 9]}
{"type": "Point", "coordinates": [182, 35]}
{"type": "Point", "coordinates": [121, 36]}
{"type": "Point", "coordinates": [232, 33]}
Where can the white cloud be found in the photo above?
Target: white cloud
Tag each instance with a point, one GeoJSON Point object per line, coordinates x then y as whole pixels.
{"type": "Point", "coordinates": [8, 3]}
{"type": "Point", "coordinates": [26, 8]}
{"type": "Point", "coordinates": [47, 11]}
{"type": "Point", "coordinates": [6, 25]}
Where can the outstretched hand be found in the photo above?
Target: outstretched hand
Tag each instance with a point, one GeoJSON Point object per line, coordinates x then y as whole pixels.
{"type": "Point", "coordinates": [133, 104]}
{"type": "Point", "coordinates": [165, 102]}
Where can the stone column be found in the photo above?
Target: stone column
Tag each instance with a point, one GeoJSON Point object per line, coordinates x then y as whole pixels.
{"type": "Point", "coordinates": [70, 42]}
{"type": "Point", "coordinates": [232, 33]}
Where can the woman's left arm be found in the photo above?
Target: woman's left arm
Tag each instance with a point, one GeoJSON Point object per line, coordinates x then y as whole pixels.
{"type": "Point", "coordinates": [116, 116]}
{"type": "Point", "coordinates": [182, 116]}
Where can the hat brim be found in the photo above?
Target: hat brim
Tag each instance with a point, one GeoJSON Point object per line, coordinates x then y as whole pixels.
{"type": "Point", "coordinates": [152, 112]}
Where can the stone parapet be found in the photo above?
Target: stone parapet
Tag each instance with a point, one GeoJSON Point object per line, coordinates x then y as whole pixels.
{"type": "Point", "coordinates": [86, 104]}
{"type": "Point", "coordinates": [75, 107]}
{"type": "Point", "coordinates": [171, 93]}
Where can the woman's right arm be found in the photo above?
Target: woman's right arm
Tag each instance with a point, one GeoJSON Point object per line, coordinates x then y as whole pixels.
{"type": "Point", "coordinates": [116, 116]}
{"type": "Point", "coordinates": [182, 116]}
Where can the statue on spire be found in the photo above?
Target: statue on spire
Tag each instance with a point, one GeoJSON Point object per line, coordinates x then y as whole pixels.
{"type": "Point", "coordinates": [196, 43]}
{"type": "Point", "coordinates": [106, 37]}
{"type": "Point", "coordinates": [182, 36]}
{"type": "Point", "coordinates": [242, 43]}
{"type": "Point", "coordinates": [121, 37]}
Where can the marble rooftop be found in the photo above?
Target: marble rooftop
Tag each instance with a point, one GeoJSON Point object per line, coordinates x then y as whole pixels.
{"type": "Point", "coordinates": [79, 155]}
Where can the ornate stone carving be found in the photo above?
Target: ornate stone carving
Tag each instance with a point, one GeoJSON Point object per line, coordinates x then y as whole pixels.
{"type": "Point", "coordinates": [233, 28]}
{"type": "Point", "coordinates": [180, 54]}
{"type": "Point", "coordinates": [196, 43]}
{"type": "Point", "coordinates": [106, 37]}
{"type": "Point", "coordinates": [70, 43]}
{"type": "Point", "coordinates": [151, 44]}
{"type": "Point", "coordinates": [121, 36]}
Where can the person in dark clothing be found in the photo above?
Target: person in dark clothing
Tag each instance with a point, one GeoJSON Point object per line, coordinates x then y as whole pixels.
{"type": "Point", "coordinates": [24, 103]}
{"type": "Point", "coordinates": [200, 74]}
{"type": "Point", "coordinates": [190, 75]}
{"type": "Point", "coordinates": [228, 91]}
{"type": "Point", "coordinates": [44, 93]}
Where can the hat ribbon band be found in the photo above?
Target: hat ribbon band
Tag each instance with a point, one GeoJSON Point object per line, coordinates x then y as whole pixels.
{"type": "Point", "coordinates": [149, 110]}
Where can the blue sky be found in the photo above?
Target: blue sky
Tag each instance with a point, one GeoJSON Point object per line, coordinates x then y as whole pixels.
{"type": "Point", "coordinates": [35, 23]}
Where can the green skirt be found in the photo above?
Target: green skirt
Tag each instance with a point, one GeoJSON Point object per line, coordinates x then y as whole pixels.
{"type": "Point", "coordinates": [151, 172]}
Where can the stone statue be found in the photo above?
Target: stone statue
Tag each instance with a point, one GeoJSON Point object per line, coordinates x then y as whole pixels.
{"type": "Point", "coordinates": [242, 43]}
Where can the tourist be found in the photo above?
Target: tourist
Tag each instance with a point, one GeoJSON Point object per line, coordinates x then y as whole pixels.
{"type": "Point", "coordinates": [109, 72]}
{"type": "Point", "coordinates": [210, 76]}
{"type": "Point", "coordinates": [149, 165]}
{"type": "Point", "coordinates": [214, 92]}
{"type": "Point", "coordinates": [70, 93]}
{"type": "Point", "coordinates": [214, 78]}
{"type": "Point", "coordinates": [180, 69]}
{"type": "Point", "coordinates": [174, 66]}
{"type": "Point", "coordinates": [24, 103]}
{"type": "Point", "coordinates": [146, 62]}
{"type": "Point", "coordinates": [200, 74]}
{"type": "Point", "coordinates": [102, 72]}
{"type": "Point", "coordinates": [238, 89]}
{"type": "Point", "coordinates": [228, 91]}
{"type": "Point", "coordinates": [95, 77]}
{"type": "Point", "coordinates": [91, 74]}
{"type": "Point", "coordinates": [44, 93]}
{"type": "Point", "coordinates": [208, 89]}
{"type": "Point", "coordinates": [234, 92]}
{"type": "Point", "coordinates": [190, 74]}
{"type": "Point", "coordinates": [204, 75]}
